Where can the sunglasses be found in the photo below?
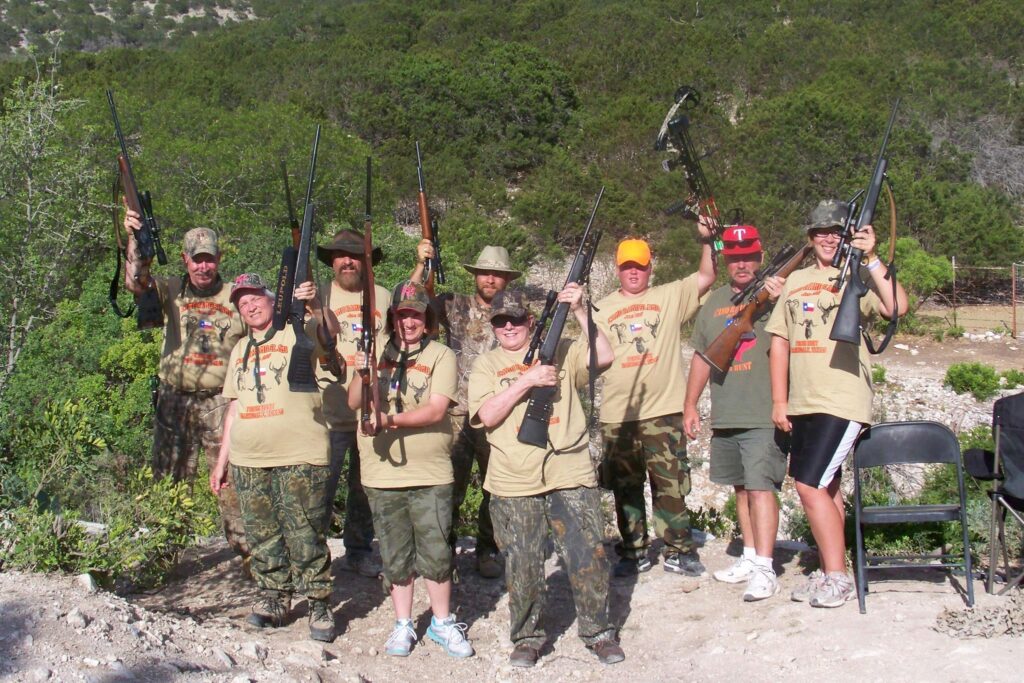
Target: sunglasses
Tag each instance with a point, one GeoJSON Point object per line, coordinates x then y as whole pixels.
{"type": "Point", "coordinates": [503, 320]}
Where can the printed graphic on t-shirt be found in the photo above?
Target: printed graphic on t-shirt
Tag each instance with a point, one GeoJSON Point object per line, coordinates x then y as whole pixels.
{"type": "Point", "coordinates": [810, 307]}
{"type": "Point", "coordinates": [253, 376]}
{"type": "Point", "coordinates": [638, 325]}
{"type": "Point", "coordinates": [205, 324]}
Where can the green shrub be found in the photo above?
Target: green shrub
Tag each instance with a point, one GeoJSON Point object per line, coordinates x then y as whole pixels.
{"type": "Point", "coordinates": [977, 378]}
{"type": "Point", "coordinates": [877, 373]}
{"type": "Point", "coordinates": [1014, 378]}
{"type": "Point", "coordinates": [956, 331]}
{"type": "Point", "coordinates": [712, 521]}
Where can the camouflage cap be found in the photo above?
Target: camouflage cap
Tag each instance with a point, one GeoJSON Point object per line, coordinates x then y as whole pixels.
{"type": "Point", "coordinates": [410, 296]}
{"type": "Point", "coordinates": [348, 242]}
{"type": "Point", "coordinates": [200, 241]}
{"type": "Point", "coordinates": [511, 303]}
{"type": "Point", "coordinates": [829, 213]}
{"type": "Point", "coordinates": [248, 283]}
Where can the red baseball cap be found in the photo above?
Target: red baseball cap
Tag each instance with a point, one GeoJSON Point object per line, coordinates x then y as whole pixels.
{"type": "Point", "coordinates": [740, 240]}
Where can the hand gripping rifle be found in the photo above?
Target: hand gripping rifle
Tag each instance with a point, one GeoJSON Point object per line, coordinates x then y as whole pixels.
{"type": "Point", "coordinates": [288, 309]}
{"type": "Point", "coordinates": [720, 352]}
{"type": "Point", "coordinates": [148, 310]}
{"type": "Point", "coordinates": [674, 136]}
{"type": "Point", "coordinates": [534, 430]}
{"type": "Point", "coordinates": [368, 337]}
{"type": "Point", "coordinates": [428, 230]}
{"type": "Point", "coordinates": [331, 360]}
{"type": "Point", "coordinates": [847, 327]}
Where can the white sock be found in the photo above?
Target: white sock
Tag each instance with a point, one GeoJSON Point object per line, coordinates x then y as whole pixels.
{"type": "Point", "coordinates": [749, 552]}
{"type": "Point", "coordinates": [765, 562]}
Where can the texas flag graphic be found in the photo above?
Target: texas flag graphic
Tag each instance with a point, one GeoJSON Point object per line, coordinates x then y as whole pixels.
{"type": "Point", "coordinates": [808, 307]}
{"type": "Point", "coordinates": [635, 327]}
{"type": "Point", "coordinates": [205, 325]}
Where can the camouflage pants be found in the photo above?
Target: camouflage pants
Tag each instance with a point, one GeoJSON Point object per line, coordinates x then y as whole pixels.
{"type": "Point", "coordinates": [183, 423]}
{"type": "Point", "coordinates": [634, 451]}
{"type": "Point", "coordinates": [358, 533]}
{"type": "Point", "coordinates": [573, 517]}
{"type": "Point", "coordinates": [412, 526]}
{"type": "Point", "coordinates": [283, 511]}
{"type": "Point", "coordinates": [471, 444]}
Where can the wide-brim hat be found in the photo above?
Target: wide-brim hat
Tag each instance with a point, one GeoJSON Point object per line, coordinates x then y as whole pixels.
{"type": "Point", "coordinates": [350, 242]}
{"type": "Point", "coordinates": [493, 259]}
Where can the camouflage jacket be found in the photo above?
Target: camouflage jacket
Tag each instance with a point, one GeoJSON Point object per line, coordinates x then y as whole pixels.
{"type": "Point", "coordinates": [467, 326]}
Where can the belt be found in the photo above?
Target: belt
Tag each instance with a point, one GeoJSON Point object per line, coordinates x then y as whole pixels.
{"type": "Point", "coordinates": [200, 393]}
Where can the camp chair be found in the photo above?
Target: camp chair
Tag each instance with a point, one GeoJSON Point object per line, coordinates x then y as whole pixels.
{"type": "Point", "coordinates": [1005, 467]}
{"type": "Point", "coordinates": [901, 443]}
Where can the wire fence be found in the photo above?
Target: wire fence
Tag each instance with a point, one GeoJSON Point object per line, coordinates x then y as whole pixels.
{"type": "Point", "coordinates": [984, 298]}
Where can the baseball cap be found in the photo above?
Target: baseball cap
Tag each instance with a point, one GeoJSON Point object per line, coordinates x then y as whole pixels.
{"type": "Point", "coordinates": [410, 296]}
{"type": "Point", "coordinates": [511, 303]}
{"type": "Point", "coordinates": [829, 213]}
{"type": "Point", "coordinates": [248, 283]}
{"type": "Point", "coordinates": [633, 250]}
{"type": "Point", "coordinates": [200, 241]}
{"type": "Point", "coordinates": [740, 240]}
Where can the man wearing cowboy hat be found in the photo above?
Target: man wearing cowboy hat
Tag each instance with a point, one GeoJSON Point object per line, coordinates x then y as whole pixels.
{"type": "Point", "coordinates": [466, 319]}
{"type": "Point", "coordinates": [344, 295]}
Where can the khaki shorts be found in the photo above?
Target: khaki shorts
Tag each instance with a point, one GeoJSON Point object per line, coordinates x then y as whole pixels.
{"type": "Point", "coordinates": [412, 527]}
{"type": "Point", "coordinates": [752, 458]}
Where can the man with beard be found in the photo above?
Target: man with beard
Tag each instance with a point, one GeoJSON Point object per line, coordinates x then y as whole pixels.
{"type": "Point", "coordinates": [468, 331]}
{"type": "Point", "coordinates": [344, 296]}
{"type": "Point", "coordinates": [201, 326]}
{"type": "Point", "coordinates": [747, 451]}
{"type": "Point", "coordinates": [641, 420]}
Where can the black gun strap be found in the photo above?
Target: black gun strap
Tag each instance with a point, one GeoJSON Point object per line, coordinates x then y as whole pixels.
{"type": "Point", "coordinates": [119, 251]}
{"type": "Point", "coordinates": [890, 329]}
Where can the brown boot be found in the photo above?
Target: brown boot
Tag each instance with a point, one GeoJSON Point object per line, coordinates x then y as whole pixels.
{"type": "Point", "coordinates": [608, 651]}
{"type": "Point", "coordinates": [524, 655]}
{"type": "Point", "coordinates": [321, 621]}
{"type": "Point", "coordinates": [270, 609]}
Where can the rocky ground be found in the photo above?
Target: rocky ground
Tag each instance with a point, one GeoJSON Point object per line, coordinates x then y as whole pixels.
{"type": "Point", "coordinates": [54, 628]}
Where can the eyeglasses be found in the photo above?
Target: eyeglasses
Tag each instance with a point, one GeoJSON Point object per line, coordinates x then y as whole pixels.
{"type": "Point", "coordinates": [503, 320]}
{"type": "Point", "coordinates": [826, 233]}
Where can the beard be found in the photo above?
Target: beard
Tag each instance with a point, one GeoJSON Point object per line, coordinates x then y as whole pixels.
{"type": "Point", "coordinates": [350, 280]}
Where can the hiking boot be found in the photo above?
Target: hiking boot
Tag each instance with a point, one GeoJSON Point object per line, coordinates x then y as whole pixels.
{"type": "Point", "coordinates": [488, 566]}
{"type": "Point", "coordinates": [631, 566]}
{"type": "Point", "coordinates": [270, 609]}
{"type": "Point", "coordinates": [401, 640]}
{"type": "Point", "coordinates": [321, 621]}
{"type": "Point", "coordinates": [451, 636]}
{"type": "Point", "coordinates": [834, 591]}
{"type": "Point", "coordinates": [740, 571]}
{"type": "Point", "coordinates": [687, 564]}
{"type": "Point", "coordinates": [608, 651]}
{"type": "Point", "coordinates": [804, 591]}
{"type": "Point", "coordinates": [763, 584]}
{"type": "Point", "coordinates": [362, 564]}
{"type": "Point", "coordinates": [524, 655]}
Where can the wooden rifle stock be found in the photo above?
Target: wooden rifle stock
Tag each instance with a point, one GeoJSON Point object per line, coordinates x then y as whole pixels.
{"type": "Point", "coordinates": [720, 352]}
{"type": "Point", "coordinates": [367, 340]}
{"type": "Point", "coordinates": [428, 230]}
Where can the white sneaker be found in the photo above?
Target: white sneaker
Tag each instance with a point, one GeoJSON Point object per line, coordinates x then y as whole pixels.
{"type": "Point", "coordinates": [834, 591]}
{"type": "Point", "coordinates": [763, 584]}
{"type": "Point", "coordinates": [740, 571]}
{"type": "Point", "coordinates": [401, 640]}
{"type": "Point", "coordinates": [451, 636]}
{"type": "Point", "coordinates": [804, 591]}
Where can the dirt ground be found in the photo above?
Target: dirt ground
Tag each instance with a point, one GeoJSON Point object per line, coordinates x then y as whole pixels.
{"type": "Point", "coordinates": [52, 628]}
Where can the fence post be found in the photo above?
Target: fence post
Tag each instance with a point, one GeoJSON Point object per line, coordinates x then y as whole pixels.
{"type": "Point", "coordinates": [953, 259]}
{"type": "Point", "coordinates": [1013, 297]}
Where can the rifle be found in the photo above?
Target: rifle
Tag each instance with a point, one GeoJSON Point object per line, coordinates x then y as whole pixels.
{"type": "Point", "coordinates": [534, 430]}
{"type": "Point", "coordinates": [720, 352]}
{"type": "Point", "coordinates": [847, 327]}
{"type": "Point", "coordinates": [428, 230]}
{"type": "Point", "coordinates": [674, 136]}
{"type": "Point", "coordinates": [331, 360]}
{"type": "Point", "coordinates": [288, 309]}
{"type": "Point", "coordinates": [538, 333]}
{"type": "Point", "coordinates": [149, 312]}
{"type": "Point", "coordinates": [367, 339]}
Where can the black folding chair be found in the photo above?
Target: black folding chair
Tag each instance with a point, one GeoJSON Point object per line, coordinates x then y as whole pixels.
{"type": "Point", "coordinates": [904, 443]}
{"type": "Point", "coordinates": [1005, 467]}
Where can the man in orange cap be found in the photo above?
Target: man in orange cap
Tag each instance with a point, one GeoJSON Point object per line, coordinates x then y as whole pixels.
{"type": "Point", "coordinates": [640, 417]}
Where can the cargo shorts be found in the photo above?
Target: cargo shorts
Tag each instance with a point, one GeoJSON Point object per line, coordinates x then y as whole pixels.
{"type": "Point", "coordinates": [412, 527]}
{"type": "Point", "coordinates": [752, 458]}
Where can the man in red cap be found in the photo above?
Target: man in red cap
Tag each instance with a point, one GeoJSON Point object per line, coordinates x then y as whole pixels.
{"type": "Point", "coordinates": [747, 451]}
{"type": "Point", "coordinates": [640, 418]}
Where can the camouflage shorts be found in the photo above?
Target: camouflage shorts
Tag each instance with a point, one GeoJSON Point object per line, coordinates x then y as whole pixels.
{"type": "Point", "coordinates": [573, 518]}
{"type": "Point", "coordinates": [412, 527]}
{"type": "Point", "coordinates": [638, 450]}
{"type": "Point", "coordinates": [283, 511]}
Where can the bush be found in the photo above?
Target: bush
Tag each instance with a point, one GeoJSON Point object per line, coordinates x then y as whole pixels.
{"type": "Point", "coordinates": [877, 373]}
{"type": "Point", "coordinates": [977, 378]}
{"type": "Point", "coordinates": [1014, 378]}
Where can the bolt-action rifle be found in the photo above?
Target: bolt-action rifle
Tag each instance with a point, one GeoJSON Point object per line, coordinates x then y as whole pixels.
{"type": "Point", "coordinates": [287, 308]}
{"type": "Point", "coordinates": [367, 338]}
{"type": "Point", "coordinates": [674, 136]}
{"type": "Point", "coordinates": [429, 231]}
{"type": "Point", "coordinates": [534, 430]}
{"type": "Point", "coordinates": [720, 352]}
{"type": "Point", "coordinates": [847, 327]}
{"type": "Point", "coordinates": [149, 313]}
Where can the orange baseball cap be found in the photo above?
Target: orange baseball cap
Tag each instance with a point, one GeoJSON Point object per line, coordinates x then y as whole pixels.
{"type": "Point", "coordinates": [633, 250]}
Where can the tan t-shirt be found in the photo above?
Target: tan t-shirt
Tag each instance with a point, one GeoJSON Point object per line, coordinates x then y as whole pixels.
{"type": "Point", "coordinates": [279, 427]}
{"type": "Point", "coordinates": [646, 378]}
{"type": "Point", "coordinates": [519, 469]}
{"type": "Point", "coordinates": [348, 306]}
{"type": "Point", "coordinates": [199, 334]}
{"type": "Point", "coordinates": [419, 456]}
{"type": "Point", "coordinates": [824, 376]}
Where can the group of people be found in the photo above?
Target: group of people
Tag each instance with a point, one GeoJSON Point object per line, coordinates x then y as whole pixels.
{"type": "Point", "coordinates": [276, 455]}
